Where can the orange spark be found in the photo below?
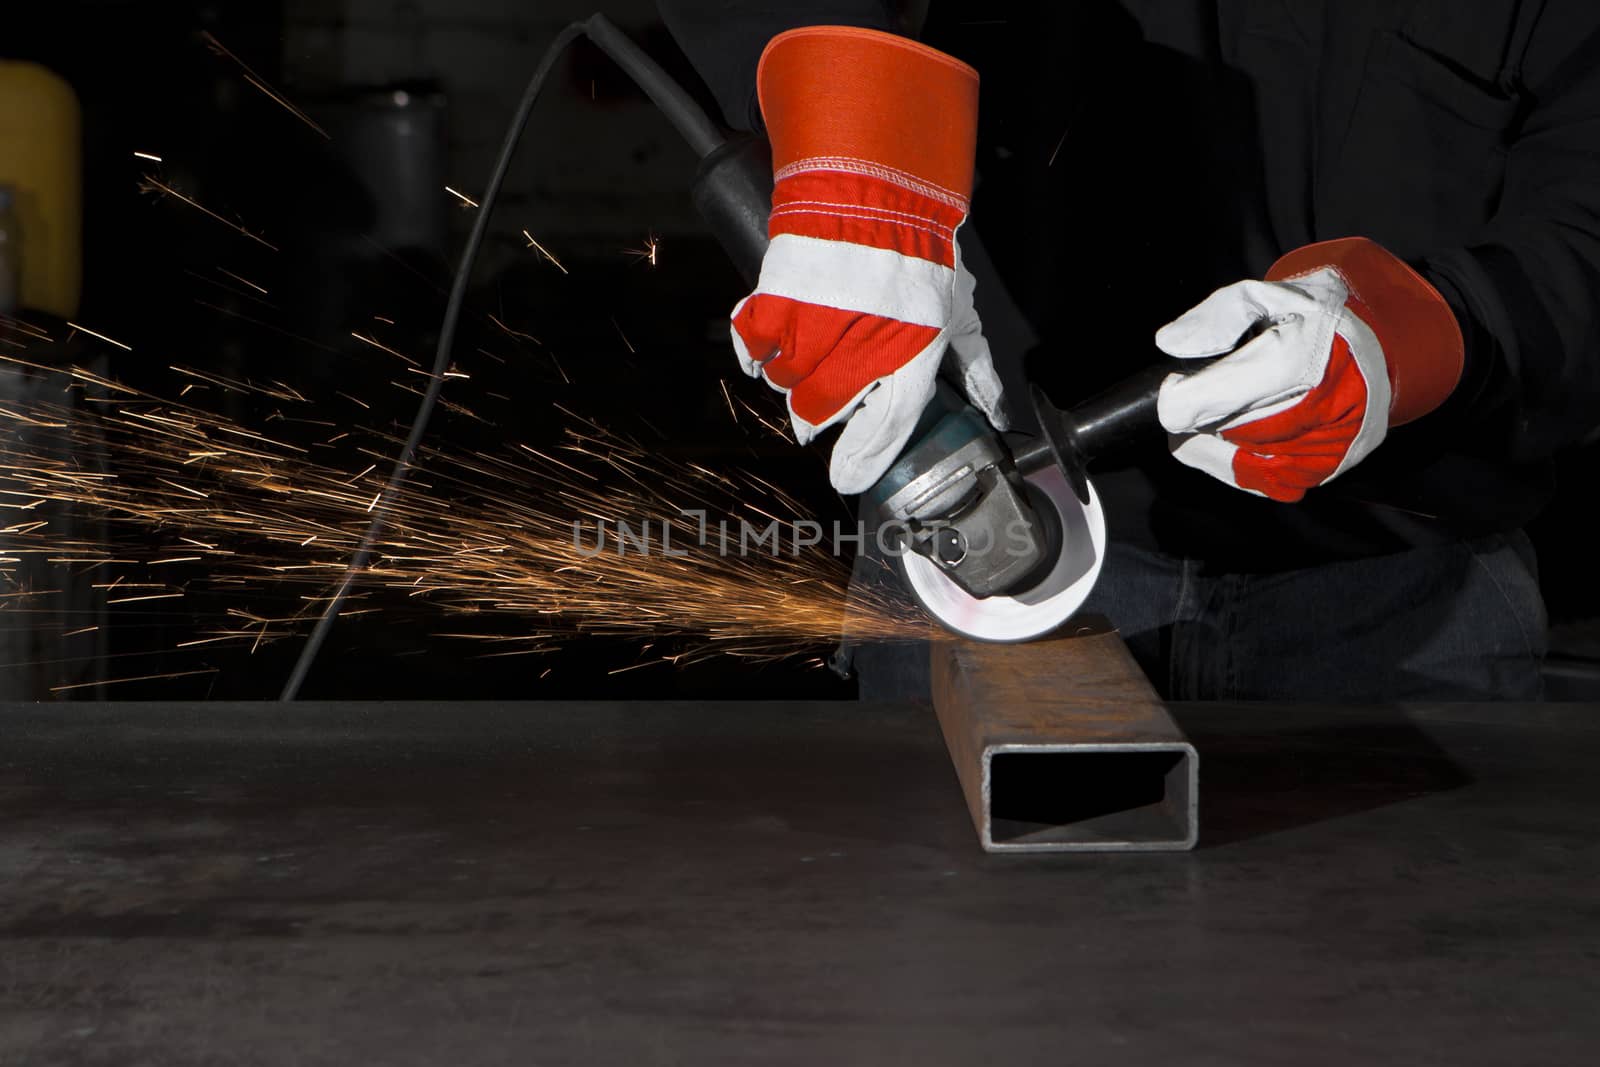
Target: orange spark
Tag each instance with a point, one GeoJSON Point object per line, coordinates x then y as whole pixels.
{"type": "Point", "coordinates": [101, 336]}
{"type": "Point", "coordinates": [544, 251]}
{"type": "Point", "coordinates": [255, 80]}
{"type": "Point", "coordinates": [151, 183]}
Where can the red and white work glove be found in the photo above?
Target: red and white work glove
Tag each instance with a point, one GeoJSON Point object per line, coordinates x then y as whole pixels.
{"type": "Point", "coordinates": [862, 293]}
{"type": "Point", "coordinates": [1347, 341]}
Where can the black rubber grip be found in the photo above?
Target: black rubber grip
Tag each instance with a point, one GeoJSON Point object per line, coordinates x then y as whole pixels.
{"type": "Point", "coordinates": [733, 193]}
{"type": "Point", "coordinates": [1125, 415]}
{"type": "Point", "coordinates": [1119, 418]}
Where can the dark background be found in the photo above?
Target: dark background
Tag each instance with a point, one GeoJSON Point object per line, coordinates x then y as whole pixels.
{"type": "Point", "coordinates": [599, 173]}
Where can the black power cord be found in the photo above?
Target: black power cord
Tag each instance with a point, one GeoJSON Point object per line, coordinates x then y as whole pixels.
{"type": "Point", "coordinates": [685, 115]}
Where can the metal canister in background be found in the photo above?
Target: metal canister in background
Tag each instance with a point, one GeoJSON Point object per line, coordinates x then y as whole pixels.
{"type": "Point", "coordinates": [393, 140]}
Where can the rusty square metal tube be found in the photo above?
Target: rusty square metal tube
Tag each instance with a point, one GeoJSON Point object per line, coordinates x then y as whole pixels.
{"type": "Point", "coordinates": [1061, 745]}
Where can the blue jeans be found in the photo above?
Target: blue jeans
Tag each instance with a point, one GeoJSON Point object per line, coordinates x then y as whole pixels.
{"type": "Point", "coordinates": [1462, 621]}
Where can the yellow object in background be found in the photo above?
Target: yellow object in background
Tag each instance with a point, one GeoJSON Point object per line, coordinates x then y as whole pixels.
{"type": "Point", "coordinates": [41, 159]}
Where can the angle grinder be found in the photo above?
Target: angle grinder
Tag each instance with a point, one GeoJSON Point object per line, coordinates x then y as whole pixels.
{"type": "Point", "coordinates": [999, 537]}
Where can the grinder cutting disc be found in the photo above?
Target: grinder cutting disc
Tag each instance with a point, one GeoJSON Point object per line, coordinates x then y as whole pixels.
{"type": "Point", "coordinates": [1051, 601]}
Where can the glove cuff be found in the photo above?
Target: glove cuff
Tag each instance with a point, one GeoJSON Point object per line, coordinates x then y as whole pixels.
{"type": "Point", "coordinates": [856, 101]}
{"type": "Point", "coordinates": [1419, 334]}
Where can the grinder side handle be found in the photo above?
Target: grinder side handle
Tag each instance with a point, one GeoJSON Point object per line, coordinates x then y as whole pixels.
{"type": "Point", "coordinates": [1125, 414]}
{"type": "Point", "coordinates": [733, 193]}
{"type": "Point", "coordinates": [1121, 417]}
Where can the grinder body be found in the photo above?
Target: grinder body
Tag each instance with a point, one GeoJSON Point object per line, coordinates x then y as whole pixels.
{"type": "Point", "coordinates": [954, 496]}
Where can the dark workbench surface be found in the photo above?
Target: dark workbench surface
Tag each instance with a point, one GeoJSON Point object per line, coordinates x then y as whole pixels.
{"type": "Point", "coordinates": [779, 883]}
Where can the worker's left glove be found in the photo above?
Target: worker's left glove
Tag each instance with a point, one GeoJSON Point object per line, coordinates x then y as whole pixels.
{"type": "Point", "coordinates": [862, 296]}
{"type": "Point", "coordinates": [1341, 341]}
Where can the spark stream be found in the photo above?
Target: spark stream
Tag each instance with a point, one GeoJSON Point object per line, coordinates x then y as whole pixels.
{"type": "Point", "coordinates": [197, 503]}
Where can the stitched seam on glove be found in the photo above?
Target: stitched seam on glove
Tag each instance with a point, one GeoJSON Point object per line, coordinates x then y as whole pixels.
{"type": "Point", "coordinates": [879, 214]}
{"type": "Point", "coordinates": [943, 233]}
{"type": "Point", "coordinates": [1337, 272]}
{"type": "Point", "coordinates": [1363, 342]}
{"type": "Point", "coordinates": [1323, 334]}
{"type": "Point", "coordinates": [867, 168]}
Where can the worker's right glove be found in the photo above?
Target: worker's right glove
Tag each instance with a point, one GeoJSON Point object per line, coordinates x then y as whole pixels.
{"type": "Point", "coordinates": [862, 293]}
{"type": "Point", "coordinates": [1342, 341]}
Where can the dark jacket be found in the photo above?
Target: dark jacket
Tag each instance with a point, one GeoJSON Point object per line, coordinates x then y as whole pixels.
{"type": "Point", "coordinates": [1136, 154]}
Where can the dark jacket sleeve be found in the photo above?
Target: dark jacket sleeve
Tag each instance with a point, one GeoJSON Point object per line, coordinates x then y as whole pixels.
{"type": "Point", "coordinates": [1527, 288]}
{"type": "Point", "coordinates": [724, 39]}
